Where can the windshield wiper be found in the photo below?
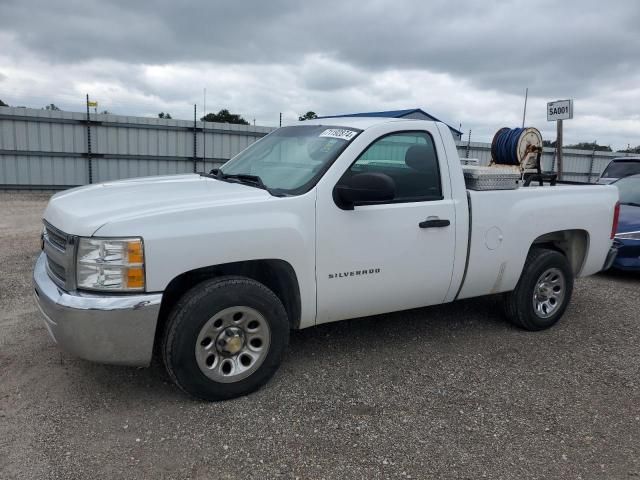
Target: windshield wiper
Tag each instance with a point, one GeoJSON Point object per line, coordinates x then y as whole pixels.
{"type": "Point", "coordinates": [245, 179]}
{"type": "Point", "coordinates": [633, 204]}
{"type": "Point", "coordinates": [253, 180]}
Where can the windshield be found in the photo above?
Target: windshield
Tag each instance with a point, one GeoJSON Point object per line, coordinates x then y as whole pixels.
{"type": "Point", "coordinates": [621, 168]}
{"type": "Point", "coordinates": [629, 189]}
{"type": "Point", "coordinates": [290, 160]}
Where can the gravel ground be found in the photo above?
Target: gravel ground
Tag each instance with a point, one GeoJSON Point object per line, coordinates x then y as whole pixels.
{"type": "Point", "coordinates": [444, 392]}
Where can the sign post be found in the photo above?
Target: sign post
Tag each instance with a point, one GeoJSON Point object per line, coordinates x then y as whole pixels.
{"type": "Point", "coordinates": [557, 112]}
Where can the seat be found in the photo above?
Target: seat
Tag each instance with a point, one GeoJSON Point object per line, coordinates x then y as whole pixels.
{"type": "Point", "coordinates": [421, 158]}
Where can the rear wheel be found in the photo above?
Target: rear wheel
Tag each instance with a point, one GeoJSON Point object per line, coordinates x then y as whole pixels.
{"type": "Point", "coordinates": [225, 338]}
{"type": "Point", "coordinates": [543, 291]}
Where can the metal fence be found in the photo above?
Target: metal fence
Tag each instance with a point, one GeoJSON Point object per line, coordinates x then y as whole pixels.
{"type": "Point", "coordinates": [54, 150]}
{"type": "Point", "coordinates": [42, 149]}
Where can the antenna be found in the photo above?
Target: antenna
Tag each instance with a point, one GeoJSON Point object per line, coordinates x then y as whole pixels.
{"type": "Point", "coordinates": [524, 113]}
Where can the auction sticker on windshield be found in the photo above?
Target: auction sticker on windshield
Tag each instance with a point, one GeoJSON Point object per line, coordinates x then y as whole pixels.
{"type": "Point", "coordinates": [341, 133]}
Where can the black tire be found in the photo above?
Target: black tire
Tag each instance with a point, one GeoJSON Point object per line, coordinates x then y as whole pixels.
{"type": "Point", "coordinates": [195, 309]}
{"type": "Point", "coordinates": [519, 304]}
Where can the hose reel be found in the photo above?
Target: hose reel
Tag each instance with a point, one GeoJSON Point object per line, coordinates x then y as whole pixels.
{"type": "Point", "coordinates": [518, 147]}
{"type": "Point", "coordinates": [521, 149]}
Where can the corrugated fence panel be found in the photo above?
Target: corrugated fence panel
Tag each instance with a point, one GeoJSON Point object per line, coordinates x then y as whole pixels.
{"type": "Point", "coordinates": [25, 170]}
{"type": "Point", "coordinates": [42, 148]}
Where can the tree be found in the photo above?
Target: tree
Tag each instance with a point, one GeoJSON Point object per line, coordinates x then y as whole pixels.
{"type": "Point", "coordinates": [52, 107]}
{"type": "Point", "coordinates": [631, 149]}
{"type": "Point", "coordinates": [590, 146]}
{"type": "Point", "coordinates": [2, 104]}
{"type": "Point", "coordinates": [166, 116]}
{"type": "Point", "coordinates": [224, 116]}
{"type": "Point", "coordinates": [308, 116]}
{"type": "Point", "coordinates": [580, 146]}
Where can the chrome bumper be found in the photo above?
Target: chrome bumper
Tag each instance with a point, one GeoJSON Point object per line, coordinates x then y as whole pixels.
{"type": "Point", "coordinates": [105, 328]}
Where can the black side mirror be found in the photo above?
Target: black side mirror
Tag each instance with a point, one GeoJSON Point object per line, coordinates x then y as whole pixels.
{"type": "Point", "coordinates": [363, 188]}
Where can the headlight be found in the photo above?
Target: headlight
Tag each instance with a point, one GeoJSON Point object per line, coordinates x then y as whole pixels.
{"type": "Point", "coordinates": [115, 264]}
{"type": "Point", "coordinates": [628, 236]}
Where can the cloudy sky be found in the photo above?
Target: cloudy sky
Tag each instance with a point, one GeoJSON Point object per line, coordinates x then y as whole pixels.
{"type": "Point", "coordinates": [466, 62]}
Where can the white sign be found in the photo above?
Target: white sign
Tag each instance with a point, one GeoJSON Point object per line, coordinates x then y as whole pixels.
{"type": "Point", "coordinates": [559, 110]}
{"type": "Point", "coordinates": [341, 133]}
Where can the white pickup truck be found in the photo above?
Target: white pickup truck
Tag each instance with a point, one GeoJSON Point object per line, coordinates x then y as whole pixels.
{"type": "Point", "coordinates": [313, 223]}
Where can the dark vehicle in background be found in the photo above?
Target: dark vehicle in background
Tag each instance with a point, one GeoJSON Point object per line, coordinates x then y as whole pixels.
{"type": "Point", "coordinates": [619, 168]}
{"type": "Point", "coordinates": [627, 237]}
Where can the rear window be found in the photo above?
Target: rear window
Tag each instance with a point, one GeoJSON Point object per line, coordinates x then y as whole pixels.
{"type": "Point", "coordinates": [621, 168]}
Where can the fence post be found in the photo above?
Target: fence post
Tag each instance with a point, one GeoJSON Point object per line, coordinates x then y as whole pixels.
{"type": "Point", "coordinates": [195, 140]}
{"type": "Point", "coordinates": [89, 162]}
{"type": "Point", "coordinates": [593, 155]}
{"type": "Point", "coordinates": [468, 145]}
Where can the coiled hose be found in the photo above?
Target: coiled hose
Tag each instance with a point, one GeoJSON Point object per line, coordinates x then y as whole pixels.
{"type": "Point", "coordinates": [504, 148]}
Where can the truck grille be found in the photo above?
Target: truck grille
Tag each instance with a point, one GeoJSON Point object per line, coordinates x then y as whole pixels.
{"type": "Point", "coordinates": [58, 271]}
{"type": "Point", "coordinates": [58, 247]}
{"type": "Point", "coordinates": [56, 237]}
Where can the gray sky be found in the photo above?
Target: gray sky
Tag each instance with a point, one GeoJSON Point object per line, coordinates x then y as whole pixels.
{"type": "Point", "coordinates": [466, 62]}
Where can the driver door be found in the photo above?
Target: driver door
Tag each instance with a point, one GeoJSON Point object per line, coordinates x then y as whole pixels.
{"type": "Point", "coordinates": [382, 257]}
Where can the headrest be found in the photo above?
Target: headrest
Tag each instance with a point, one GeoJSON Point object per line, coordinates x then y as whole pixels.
{"type": "Point", "coordinates": [421, 158]}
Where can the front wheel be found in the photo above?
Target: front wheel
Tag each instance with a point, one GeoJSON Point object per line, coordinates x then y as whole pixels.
{"type": "Point", "coordinates": [225, 338]}
{"type": "Point", "coordinates": [543, 291]}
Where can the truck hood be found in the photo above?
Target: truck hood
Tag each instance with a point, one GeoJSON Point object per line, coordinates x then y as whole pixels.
{"type": "Point", "coordinates": [83, 210]}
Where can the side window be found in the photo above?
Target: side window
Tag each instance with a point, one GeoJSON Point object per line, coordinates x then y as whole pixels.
{"type": "Point", "coordinates": [409, 158]}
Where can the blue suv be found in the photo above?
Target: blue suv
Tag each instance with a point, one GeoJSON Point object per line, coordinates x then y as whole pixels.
{"type": "Point", "coordinates": [627, 237]}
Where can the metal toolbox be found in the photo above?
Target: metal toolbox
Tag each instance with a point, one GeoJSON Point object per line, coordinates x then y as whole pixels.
{"type": "Point", "coordinates": [491, 178]}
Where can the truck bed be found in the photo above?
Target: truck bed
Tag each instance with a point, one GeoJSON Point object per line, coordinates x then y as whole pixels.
{"type": "Point", "coordinates": [503, 228]}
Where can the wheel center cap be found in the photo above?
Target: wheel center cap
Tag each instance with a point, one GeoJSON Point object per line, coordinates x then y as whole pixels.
{"type": "Point", "coordinates": [544, 290]}
{"type": "Point", "coordinates": [230, 341]}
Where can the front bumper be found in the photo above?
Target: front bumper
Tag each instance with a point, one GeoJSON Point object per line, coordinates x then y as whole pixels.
{"type": "Point", "coordinates": [628, 255]}
{"type": "Point", "coordinates": [105, 328]}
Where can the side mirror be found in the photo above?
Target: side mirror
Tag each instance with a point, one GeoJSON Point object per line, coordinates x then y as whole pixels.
{"type": "Point", "coordinates": [363, 188]}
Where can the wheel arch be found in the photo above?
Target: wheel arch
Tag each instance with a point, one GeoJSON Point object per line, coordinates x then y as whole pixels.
{"type": "Point", "coordinates": [573, 244]}
{"type": "Point", "coordinates": [277, 275]}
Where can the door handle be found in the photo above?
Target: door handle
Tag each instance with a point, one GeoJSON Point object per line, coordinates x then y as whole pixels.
{"type": "Point", "coordinates": [434, 223]}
